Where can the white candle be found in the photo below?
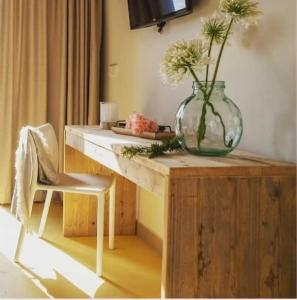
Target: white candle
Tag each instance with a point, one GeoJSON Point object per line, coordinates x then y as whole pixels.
{"type": "Point", "coordinates": [108, 112]}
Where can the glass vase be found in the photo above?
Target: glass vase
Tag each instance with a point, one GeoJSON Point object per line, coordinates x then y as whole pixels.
{"type": "Point", "coordinates": [208, 126]}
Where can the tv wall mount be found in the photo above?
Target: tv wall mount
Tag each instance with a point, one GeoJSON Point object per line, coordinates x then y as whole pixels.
{"type": "Point", "coordinates": [160, 26]}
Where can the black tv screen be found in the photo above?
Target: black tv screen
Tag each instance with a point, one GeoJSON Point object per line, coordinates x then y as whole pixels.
{"type": "Point", "coordinates": [149, 12]}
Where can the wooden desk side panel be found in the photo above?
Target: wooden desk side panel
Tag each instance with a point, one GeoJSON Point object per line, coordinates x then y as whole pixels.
{"type": "Point", "coordinates": [141, 175]}
{"type": "Point", "coordinates": [80, 211]}
{"type": "Point", "coordinates": [230, 237]}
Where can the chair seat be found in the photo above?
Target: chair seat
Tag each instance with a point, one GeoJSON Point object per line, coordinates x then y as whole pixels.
{"type": "Point", "coordinates": [80, 183]}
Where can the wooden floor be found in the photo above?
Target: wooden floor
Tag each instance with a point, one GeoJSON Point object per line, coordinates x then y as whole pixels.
{"type": "Point", "coordinates": [61, 267]}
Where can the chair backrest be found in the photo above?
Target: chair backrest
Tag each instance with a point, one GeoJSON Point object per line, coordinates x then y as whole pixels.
{"type": "Point", "coordinates": [49, 141]}
{"type": "Point", "coordinates": [37, 159]}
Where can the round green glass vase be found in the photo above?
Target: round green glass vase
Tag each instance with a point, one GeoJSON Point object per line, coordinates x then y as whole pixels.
{"type": "Point", "coordinates": [210, 128]}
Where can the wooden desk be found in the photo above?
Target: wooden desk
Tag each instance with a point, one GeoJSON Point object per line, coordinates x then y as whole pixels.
{"type": "Point", "coordinates": [230, 222]}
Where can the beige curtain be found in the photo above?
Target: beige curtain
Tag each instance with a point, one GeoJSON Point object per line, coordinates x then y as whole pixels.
{"type": "Point", "coordinates": [49, 70]}
{"type": "Point", "coordinates": [74, 42]}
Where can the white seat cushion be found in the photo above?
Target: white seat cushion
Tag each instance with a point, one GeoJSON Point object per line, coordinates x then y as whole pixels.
{"type": "Point", "coordinates": [80, 183]}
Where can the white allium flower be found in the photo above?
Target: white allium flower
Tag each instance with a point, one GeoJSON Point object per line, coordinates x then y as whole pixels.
{"type": "Point", "coordinates": [182, 56]}
{"type": "Point", "coordinates": [239, 9]}
{"type": "Point", "coordinates": [215, 27]}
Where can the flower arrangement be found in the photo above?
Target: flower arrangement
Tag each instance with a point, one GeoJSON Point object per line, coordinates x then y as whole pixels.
{"type": "Point", "coordinates": [185, 58]}
{"type": "Point", "coordinates": [191, 58]}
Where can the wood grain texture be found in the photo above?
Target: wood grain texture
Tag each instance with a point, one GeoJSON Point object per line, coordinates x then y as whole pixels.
{"type": "Point", "coordinates": [238, 163]}
{"type": "Point", "coordinates": [231, 237]}
{"type": "Point", "coordinates": [79, 211]}
{"type": "Point", "coordinates": [278, 237]}
{"type": "Point", "coordinates": [287, 276]}
{"type": "Point", "coordinates": [140, 174]}
{"type": "Point", "coordinates": [229, 222]}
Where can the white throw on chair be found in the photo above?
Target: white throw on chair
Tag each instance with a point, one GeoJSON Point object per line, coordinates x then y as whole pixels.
{"type": "Point", "coordinates": [96, 185]}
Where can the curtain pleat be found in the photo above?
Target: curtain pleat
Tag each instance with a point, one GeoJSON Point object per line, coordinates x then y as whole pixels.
{"type": "Point", "coordinates": [6, 96]}
{"type": "Point", "coordinates": [49, 71]}
{"type": "Point", "coordinates": [22, 77]}
{"type": "Point", "coordinates": [74, 34]}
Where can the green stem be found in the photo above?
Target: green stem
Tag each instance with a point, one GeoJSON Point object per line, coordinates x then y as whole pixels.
{"type": "Point", "coordinates": [202, 126]}
{"type": "Point", "coordinates": [219, 59]}
{"type": "Point", "coordinates": [222, 123]}
{"type": "Point", "coordinates": [198, 81]}
{"type": "Point", "coordinates": [196, 78]}
{"type": "Point", "coordinates": [187, 65]}
{"type": "Point", "coordinates": [207, 67]}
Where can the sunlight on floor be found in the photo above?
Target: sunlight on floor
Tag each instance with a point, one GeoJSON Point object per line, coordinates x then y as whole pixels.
{"type": "Point", "coordinates": [46, 261]}
{"type": "Point", "coordinates": [65, 267]}
{"type": "Point", "coordinates": [9, 228]}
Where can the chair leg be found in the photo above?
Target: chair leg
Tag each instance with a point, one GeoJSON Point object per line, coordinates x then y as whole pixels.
{"type": "Point", "coordinates": [111, 214]}
{"type": "Point", "coordinates": [47, 204]}
{"type": "Point", "coordinates": [22, 233]}
{"type": "Point", "coordinates": [100, 233]}
{"type": "Point", "coordinates": [20, 243]}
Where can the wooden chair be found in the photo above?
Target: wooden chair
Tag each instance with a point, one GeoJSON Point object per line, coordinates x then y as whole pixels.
{"type": "Point", "coordinates": [72, 183]}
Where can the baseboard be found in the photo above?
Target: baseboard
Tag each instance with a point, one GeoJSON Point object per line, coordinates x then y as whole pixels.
{"type": "Point", "coordinates": [149, 237]}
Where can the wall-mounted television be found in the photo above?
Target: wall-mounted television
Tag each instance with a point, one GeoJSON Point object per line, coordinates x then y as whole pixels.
{"type": "Point", "coordinates": [145, 13]}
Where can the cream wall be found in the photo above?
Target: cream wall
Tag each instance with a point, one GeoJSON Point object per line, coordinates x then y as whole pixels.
{"type": "Point", "coordinates": [258, 67]}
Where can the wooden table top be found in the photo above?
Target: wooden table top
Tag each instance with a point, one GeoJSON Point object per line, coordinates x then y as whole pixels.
{"type": "Point", "coordinates": [238, 162]}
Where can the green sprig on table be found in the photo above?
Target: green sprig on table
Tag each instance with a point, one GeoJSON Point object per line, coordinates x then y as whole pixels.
{"type": "Point", "coordinates": [154, 150]}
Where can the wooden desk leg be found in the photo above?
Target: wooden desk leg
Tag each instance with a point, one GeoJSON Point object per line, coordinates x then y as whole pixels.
{"type": "Point", "coordinates": [230, 237]}
{"type": "Point", "coordinates": [79, 211]}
